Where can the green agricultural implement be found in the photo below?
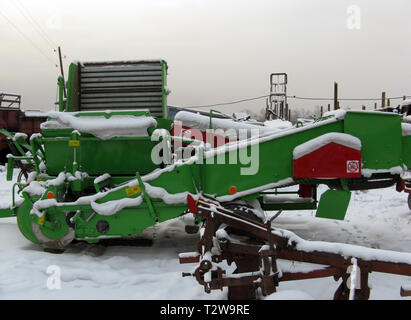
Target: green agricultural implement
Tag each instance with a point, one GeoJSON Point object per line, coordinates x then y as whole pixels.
{"type": "Point", "coordinates": [110, 164]}
{"type": "Point", "coordinates": [94, 174]}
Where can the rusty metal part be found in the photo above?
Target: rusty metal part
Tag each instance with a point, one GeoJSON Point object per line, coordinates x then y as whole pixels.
{"type": "Point", "coordinates": [405, 292]}
{"type": "Point", "coordinates": [191, 229]}
{"type": "Point", "coordinates": [256, 258]}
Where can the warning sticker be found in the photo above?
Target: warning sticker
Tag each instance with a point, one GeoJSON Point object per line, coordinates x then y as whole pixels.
{"type": "Point", "coordinates": [132, 191]}
{"type": "Point", "coordinates": [353, 166]}
{"type": "Point", "coordinates": [74, 143]}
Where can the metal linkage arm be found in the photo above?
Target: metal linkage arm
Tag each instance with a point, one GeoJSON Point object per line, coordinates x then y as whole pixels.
{"type": "Point", "coordinates": [256, 257]}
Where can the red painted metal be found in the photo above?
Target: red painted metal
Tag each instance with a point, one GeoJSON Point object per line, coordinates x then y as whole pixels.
{"type": "Point", "coordinates": [196, 134]}
{"type": "Point", "coordinates": [330, 161]}
{"type": "Point", "coordinates": [400, 186]}
{"type": "Point", "coordinates": [191, 202]}
{"type": "Point", "coordinates": [305, 191]}
{"type": "Point", "coordinates": [405, 292]}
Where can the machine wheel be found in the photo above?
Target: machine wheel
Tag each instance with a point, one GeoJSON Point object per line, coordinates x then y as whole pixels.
{"type": "Point", "coordinates": [409, 201]}
{"type": "Point", "coordinates": [56, 235]}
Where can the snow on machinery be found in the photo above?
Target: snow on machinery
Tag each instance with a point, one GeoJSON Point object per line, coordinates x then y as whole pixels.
{"type": "Point", "coordinates": [110, 164]}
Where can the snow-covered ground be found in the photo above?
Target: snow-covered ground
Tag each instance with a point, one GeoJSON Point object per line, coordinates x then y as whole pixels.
{"type": "Point", "coordinates": [376, 218]}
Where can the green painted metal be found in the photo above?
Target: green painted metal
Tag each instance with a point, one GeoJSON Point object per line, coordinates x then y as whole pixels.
{"type": "Point", "coordinates": [275, 165]}
{"type": "Point", "coordinates": [22, 147]}
{"type": "Point", "coordinates": [164, 92]}
{"type": "Point", "coordinates": [71, 89]}
{"type": "Point", "coordinates": [24, 220]}
{"type": "Point", "coordinates": [7, 213]}
{"type": "Point", "coordinates": [60, 83]}
{"type": "Point", "coordinates": [18, 143]}
{"type": "Point", "coordinates": [274, 162]}
{"type": "Point", "coordinates": [406, 150]}
{"type": "Point", "coordinates": [116, 156]}
{"type": "Point", "coordinates": [146, 197]}
{"type": "Point", "coordinates": [333, 204]}
{"type": "Point", "coordinates": [6, 133]}
{"type": "Point", "coordinates": [55, 225]}
{"type": "Point", "coordinates": [137, 202]}
{"type": "Point", "coordinates": [10, 167]}
{"type": "Point", "coordinates": [381, 137]}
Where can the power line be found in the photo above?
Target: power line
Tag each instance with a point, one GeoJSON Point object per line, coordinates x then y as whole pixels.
{"type": "Point", "coordinates": [27, 38]}
{"type": "Point", "coordinates": [345, 99]}
{"type": "Point", "coordinates": [36, 26]}
{"type": "Point", "coordinates": [229, 103]}
{"type": "Point", "coordinates": [294, 97]}
{"type": "Point", "coordinates": [42, 32]}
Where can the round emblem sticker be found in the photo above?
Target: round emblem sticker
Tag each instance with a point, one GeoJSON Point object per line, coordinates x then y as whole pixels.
{"type": "Point", "coordinates": [353, 166]}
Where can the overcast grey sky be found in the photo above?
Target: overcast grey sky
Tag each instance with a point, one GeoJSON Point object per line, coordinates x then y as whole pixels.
{"type": "Point", "coordinates": [217, 50]}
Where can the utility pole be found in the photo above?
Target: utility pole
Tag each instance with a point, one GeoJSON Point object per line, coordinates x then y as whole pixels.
{"type": "Point", "coordinates": [336, 106]}
{"type": "Point", "coordinates": [62, 73]}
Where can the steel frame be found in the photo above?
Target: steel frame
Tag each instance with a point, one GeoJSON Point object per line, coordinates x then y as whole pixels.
{"type": "Point", "coordinates": [256, 262]}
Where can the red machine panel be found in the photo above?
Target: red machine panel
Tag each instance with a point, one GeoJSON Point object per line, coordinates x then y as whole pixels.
{"type": "Point", "coordinates": [330, 161]}
{"type": "Point", "coordinates": [193, 133]}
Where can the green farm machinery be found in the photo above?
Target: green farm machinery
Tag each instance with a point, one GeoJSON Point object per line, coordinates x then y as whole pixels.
{"type": "Point", "coordinates": [109, 164]}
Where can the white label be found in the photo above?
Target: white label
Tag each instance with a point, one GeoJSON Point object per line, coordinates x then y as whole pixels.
{"type": "Point", "coordinates": [353, 166]}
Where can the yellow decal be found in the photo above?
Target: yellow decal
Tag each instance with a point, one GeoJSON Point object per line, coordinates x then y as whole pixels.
{"type": "Point", "coordinates": [74, 143]}
{"type": "Point", "coordinates": [41, 220]}
{"type": "Point", "coordinates": [133, 190]}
